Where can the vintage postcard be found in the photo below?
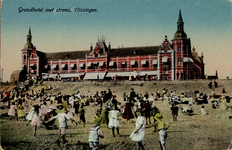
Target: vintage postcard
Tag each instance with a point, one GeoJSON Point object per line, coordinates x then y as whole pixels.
{"type": "Point", "coordinates": [116, 74]}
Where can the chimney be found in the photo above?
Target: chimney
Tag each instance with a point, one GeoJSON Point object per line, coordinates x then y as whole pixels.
{"type": "Point", "coordinates": [193, 49]}
{"type": "Point", "coordinates": [202, 57]}
{"type": "Point", "coordinates": [91, 48]}
{"type": "Point", "coordinates": [109, 47]}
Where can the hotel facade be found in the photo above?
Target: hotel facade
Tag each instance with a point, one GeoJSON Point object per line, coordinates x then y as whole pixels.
{"type": "Point", "coordinates": [172, 60]}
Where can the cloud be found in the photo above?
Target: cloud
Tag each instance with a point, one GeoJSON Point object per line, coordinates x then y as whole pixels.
{"type": "Point", "coordinates": [229, 1]}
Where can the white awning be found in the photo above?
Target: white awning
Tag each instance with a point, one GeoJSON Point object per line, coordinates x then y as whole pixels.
{"type": "Point", "coordinates": [89, 64]}
{"type": "Point", "coordinates": [133, 62]}
{"type": "Point", "coordinates": [81, 65]}
{"type": "Point", "coordinates": [123, 62]}
{"type": "Point", "coordinates": [149, 73]}
{"type": "Point", "coordinates": [164, 59]}
{"type": "Point", "coordinates": [101, 64]}
{"type": "Point", "coordinates": [186, 59]}
{"type": "Point", "coordinates": [54, 66]}
{"type": "Point", "coordinates": [32, 65]}
{"type": "Point", "coordinates": [63, 65]}
{"type": "Point", "coordinates": [143, 62]}
{"type": "Point", "coordinates": [95, 76]}
{"type": "Point", "coordinates": [121, 74]}
{"type": "Point", "coordinates": [71, 75]}
{"type": "Point", "coordinates": [111, 64]}
{"type": "Point", "coordinates": [155, 62]}
{"type": "Point", "coordinates": [72, 65]}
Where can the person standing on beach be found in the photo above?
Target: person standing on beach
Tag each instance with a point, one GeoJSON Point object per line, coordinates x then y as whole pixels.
{"type": "Point", "coordinates": [81, 112]}
{"type": "Point", "coordinates": [114, 121]}
{"type": "Point", "coordinates": [174, 109]}
{"type": "Point", "coordinates": [94, 134]}
{"type": "Point", "coordinates": [162, 128]}
{"type": "Point", "coordinates": [62, 118]}
{"type": "Point", "coordinates": [139, 132]}
{"type": "Point", "coordinates": [127, 113]}
{"type": "Point", "coordinates": [36, 119]}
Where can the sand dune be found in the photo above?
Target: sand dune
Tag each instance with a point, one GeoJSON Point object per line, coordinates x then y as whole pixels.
{"type": "Point", "coordinates": [212, 131]}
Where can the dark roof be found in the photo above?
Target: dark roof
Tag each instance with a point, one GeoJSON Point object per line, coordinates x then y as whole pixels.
{"type": "Point", "coordinates": [134, 51]}
{"type": "Point", "coordinates": [196, 57]}
{"type": "Point", "coordinates": [66, 55]}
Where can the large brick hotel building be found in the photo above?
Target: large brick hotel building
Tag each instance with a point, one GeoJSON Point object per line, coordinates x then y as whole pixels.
{"type": "Point", "coordinates": [172, 60]}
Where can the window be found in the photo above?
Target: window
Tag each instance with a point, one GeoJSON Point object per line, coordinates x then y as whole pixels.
{"type": "Point", "coordinates": [24, 57]}
{"type": "Point", "coordinates": [165, 48]}
{"type": "Point", "coordinates": [179, 61]}
{"type": "Point", "coordinates": [96, 54]}
{"type": "Point", "coordinates": [185, 48]}
{"type": "Point", "coordinates": [123, 64]}
{"type": "Point", "coordinates": [178, 48]}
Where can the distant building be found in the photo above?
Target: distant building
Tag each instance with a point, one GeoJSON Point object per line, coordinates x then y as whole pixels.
{"type": "Point", "coordinates": [211, 77]}
{"type": "Point", "coordinates": [170, 61]}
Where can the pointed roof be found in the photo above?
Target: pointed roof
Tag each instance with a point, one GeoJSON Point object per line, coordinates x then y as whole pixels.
{"type": "Point", "coordinates": [28, 45]}
{"type": "Point", "coordinates": [180, 17]}
{"type": "Point", "coordinates": [180, 34]}
{"type": "Point", "coordinates": [29, 33]}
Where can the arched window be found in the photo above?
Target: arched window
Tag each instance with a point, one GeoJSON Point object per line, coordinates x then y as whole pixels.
{"type": "Point", "coordinates": [178, 48]}
{"type": "Point", "coordinates": [24, 57]}
{"type": "Point", "coordinates": [179, 61]}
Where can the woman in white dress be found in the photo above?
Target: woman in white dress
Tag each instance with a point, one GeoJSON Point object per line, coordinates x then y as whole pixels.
{"type": "Point", "coordinates": [114, 121]}
{"type": "Point", "coordinates": [138, 134]}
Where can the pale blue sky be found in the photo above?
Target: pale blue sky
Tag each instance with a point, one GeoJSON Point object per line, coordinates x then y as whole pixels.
{"type": "Point", "coordinates": [130, 23]}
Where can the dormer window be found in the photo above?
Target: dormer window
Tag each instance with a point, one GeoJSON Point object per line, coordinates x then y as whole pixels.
{"type": "Point", "coordinates": [165, 48]}
{"type": "Point", "coordinates": [178, 48]}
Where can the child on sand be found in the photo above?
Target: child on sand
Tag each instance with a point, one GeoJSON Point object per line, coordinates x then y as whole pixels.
{"type": "Point", "coordinates": [35, 119]}
{"type": "Point", "coordinates": [13, 110]}
{"type": "Point", "coordinates": [94, 134]}
{"type": "Point", "coordinates": [161, 126]}
{"type": "Point", "coordinates": [114, 121]}
{"type": "Point", "coordinates": [62, 118]}
{"type": "Point", "coordinates": [138, 134]}
{"type": "Point", "coordinates": [127, 113]}
{"type": "Point", "coordinates": [21, 113]}
{"type": "Point", "coordinates": [82, 114]}
{"type": "Point", "coordinates": [203, 110]}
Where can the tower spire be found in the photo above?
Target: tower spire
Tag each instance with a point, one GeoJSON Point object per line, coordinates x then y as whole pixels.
{"type": "Point", "coordinates": [29, 33]}
{"type": "Point", "coordinates": [180, 34]}
{"type": "Point", "coordinates": [180, 17]}
{"type": "Point", "coordinates": [29, 45]}
{"type": "Point", "coordinates": [180, 23]}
